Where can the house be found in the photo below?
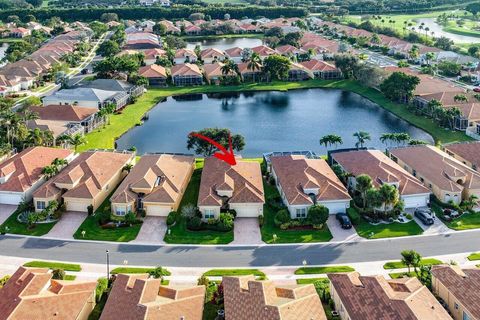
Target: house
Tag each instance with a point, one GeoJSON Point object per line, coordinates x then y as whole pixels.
{"type": "Point", "coordinates": [248, 74]}
{"type": "Point", "coordinates": [383, 170]}
{"type": "Point", "coordinates": [142, 40]}
{"type": "Point", "coordinates": [187, 74]}
{"type": "Point", "coordinates": [263, 51]}
{"type": "Point", "coordinates": [226, 187]}
{"type": "Point", "coordinates": [374, 297]}
{"type": "Point", "coordinates": [246, 298]}
{"type": "Point", "coordinates": [171, 28]}
{"type": "Point", "coordinates": [185, 56]}
{"type": "Point", "coordinates": [136, 296]}
{"type": "Point", "coordinates": [192, 30]}
{"type": "Point", "coordinates": [234, 54]}
{"type": "Point", "coordinates": [304, 182]}
{"type": "Point", "coordinates": [85, 182]}
{"type": "Point", "coordinates": [467, 153]}
{"type": "Point", "coordinates": [459, 288]}
{"type": "Point", "coordinates": [32, 293]}
{"type": "Point", "coordinates": [322, 70]}
{"type": "Point", "coordinates": [151, 55]}
{"type": "Point", "coordinates": [19, 32]}
{"type": "Point", "coordinates": [21, 174]}
{"type": "Point", "coordinates": [447, 178]}
{"type": "Point", "coordinates": [113, 85]}
{"type": "Point", "coordinates": [212, 55]}
{"type": "Point", "coordinates": [156, 184]}
{"type": "Point", "coordinates": [87, 97]}
{"type": "Point", "coordinates": [214, 73]}
{"type": "Point", "coordinates": [290, 51]}
{"type": "Point", "coordinates": [156, 75]}
{"type": "Point", "coordinates": [298, 72]}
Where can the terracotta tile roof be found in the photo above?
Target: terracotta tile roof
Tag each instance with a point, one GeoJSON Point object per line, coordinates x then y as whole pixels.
{"type": "Point", "coordinates": [246, 299]}
{"type": "Point", "coordinates": [25, 168]}
{"type": "Point", "coordinates": [289, 49]}
{"type": "Point", "coordinates": [173, 171]}
{"type": "Point", "coordinates": [296, 173]}
{"type": "Point", "coordinates": [89, 173]}
{"type": "Point", "coordinates": [183, 53]}
{"type": "Point", "coordinates": [438, 167]}
{"type": "Point", "coordinates": [469, 151]}
{"type": "Point", "coordinates": [263, 50]}
{"type": "Point", "coordinates": [318, 65]}
{"type": "Point", "coordinates": [381, 169]}
{"type": "Point", "coordinates": [374, 297]}
{"type": "Point", "coordinates": [463, 284]}
{"type": "Point", "coordinates": [137, 297]}
{"type": "Point", "coordinates": [153, 71]}
{"type": "Point", "coordinates": [447, 98]}
{"type": "Point", "coordinates": [192, 28]}
{"type": "Point", "coordinates": [154, 53]}
{"type": "Point", "coordinates": [31, 293]}
{"type": "Point", "coordinates": [245, 178]}
{"type": "Point", "coordinates": [63, 112]}
{"type": "Point", "coordinates": [212, 53]}
{"type": "Point", "coordinates": [215, 70]}
{"type": "Point", "coordinates": [243, 68]}
{"type": "Point", "coordinates": [429, 85]}
{"type": "Point", "coordinates": [234, 52]}
{"type": "Point", "coordinates": [186, 69]}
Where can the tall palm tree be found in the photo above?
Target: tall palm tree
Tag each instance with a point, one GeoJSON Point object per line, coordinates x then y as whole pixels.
{"type": "Point", "coordinates": [331, 139]}
{"type": "Point", "coordinates": [255, 64]}
{"type": "Point", "coordinates": [77, 140]}
{"type": "Point", "coordinates": [49, 171]}
{"type": "Point", "coordinates": [363, 184]}
{"type": "Point", "coordinates": [362, 137]}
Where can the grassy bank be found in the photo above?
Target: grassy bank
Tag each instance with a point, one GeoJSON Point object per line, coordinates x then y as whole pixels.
{"type": "Point", "coordinates": [104, 138]}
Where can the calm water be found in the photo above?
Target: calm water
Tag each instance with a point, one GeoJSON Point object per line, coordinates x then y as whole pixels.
{"type": "Point", "coordinates": [269, 121]}
{"type": "Point", "coordinates": [225, 43]}
{"type": "Point", "coordinates": [432, 24]}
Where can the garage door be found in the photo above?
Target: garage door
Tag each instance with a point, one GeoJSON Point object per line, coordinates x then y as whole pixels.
{"type": "Point", "coordinates": [415, 201]}
{"type": "Point", "coordinates": [10, 199]}
{"type": "Point", "coordinates": [335, 207]}
{"type": "Point", "coordinates": [157, 211]}
{"type": "Point", "coordinates": [77, 206]}
{"type": "Point", "coordinates": [248, 211]}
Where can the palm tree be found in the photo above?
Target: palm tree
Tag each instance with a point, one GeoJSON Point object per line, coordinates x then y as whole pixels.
{"type": "Point", "coordinates": [432, 106]}
{"type": "Point", "coordinates": [77, 140]}
{"type": "Point", "coordinates": [49, 171]}
{"type": "Point", "coordinates": [385, 138]}
{"type": "Point", "coordinates": [255, 64]}
{"type": "Point", "coordinates": [362, 138]}
{"type": "Point", "coordinates": [331, 139]}
{"type": "Point", "coordinates": [471, 201]}
{"type": "Point", "coordinates": [127, 168]}
{"type": "Point", "coordinates": [362, 185]}
{"type": "Point", "coordinates": [389, 195]}
{"type": "Point", "coordinates": [57, 163]}
{"type": "Point", "coordinates": [460, 98]}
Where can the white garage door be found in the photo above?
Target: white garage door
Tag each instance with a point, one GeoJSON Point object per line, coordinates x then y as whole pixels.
{"type": "Point", "coordinates": [157, 211]}
{"type": "Point", "coordinates": [416, 201]}
{"type": "Point", "coordinates": [247, 211]}
{"type": "Point", "coordinates": [10, 199]}
{"type": "Point", "coordinates": [335, 207]}
{"type": "Point", "coordinates": [77, 206]}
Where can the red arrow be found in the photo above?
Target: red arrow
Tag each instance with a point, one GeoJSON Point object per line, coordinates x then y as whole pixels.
{"type": "Point", "coordinates": [225, 155]}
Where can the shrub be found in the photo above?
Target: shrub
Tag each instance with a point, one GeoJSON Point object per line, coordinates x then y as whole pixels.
{"type": "Point", "coordinates": [318, 214]}
{"type": "Point", "coordinates": [171, 218]}
{"type": "Point", "coordinates": [225, 222]}
{"type": "Point", "coordinates": [233, 212]}
{"type": "Point", "coordinates": [194, 223]}
{"type": "Point", "coordinates": [3, 281]}
{"type": "Point", "coordinates": [409, 216]}
{"type": "Point", "coordinates": [102, 286]}
{"type": "Point", "coordinates": [281, 217]}
{"type": "Point", "coordinates": [58, 274]}
{"type": "Point", "coordinates": [104, 217]}
{"type": "Point", "coordinates": [261, 220]}
{"type": "Point", "coordinates": [203, 281]}
{"type": "Point", "coordinates": [90, 210]}
{"type": "Point", "coordinates": [157, 273]}
{"type": "Point", "coordinates": [130, 218]}
{"type": "Point", "coordinates": [353, 215]}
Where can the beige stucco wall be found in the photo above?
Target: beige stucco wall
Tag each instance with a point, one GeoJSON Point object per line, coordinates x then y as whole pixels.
{"type": "Point", "coordinates": [338, 304]}
{"type": "Point", "coordinates": [87, 308]}
{"type": "Point", "coordinates": [440, 290]}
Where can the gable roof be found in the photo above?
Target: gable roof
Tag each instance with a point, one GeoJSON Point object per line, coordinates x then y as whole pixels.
{"type": "Point", "coordinates": [318, 65]}
{"type": "Point", "coordinates": [63, 112]}
{"type": "Point", "coordinates": [186, 69]}
{"type": "Point", "coordinates": [234, 52]}
{"type": "Point", "coordinates": [153, 71]}
{"type": "Point", "coordinates": [212, 53]}
{"type": "Point", "coordinates": [107, 85]}
{"type": "Point", "coordinates": [469, 151]}
{"type": "Point", "coordinates": [263, 50]}
{"type": "Point", "coordinates": [81, 94]}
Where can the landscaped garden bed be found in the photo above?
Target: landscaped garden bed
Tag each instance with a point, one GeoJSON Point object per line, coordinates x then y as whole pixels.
{"type": "Point", "coordinates": [27, 222]}
{"type": "Point", "coordinates": [466, 219]}
{"type": "Point", "coordinates": [235, 272]}
{"type": "Point", "coordinates": [54, 265]}
{"type": "Point", "coordinates": [400, 264]}
{"type": "Point", "coordinates": [323, 270]}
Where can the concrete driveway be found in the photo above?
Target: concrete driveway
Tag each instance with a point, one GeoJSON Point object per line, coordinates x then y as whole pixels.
{"type": "Point", "coordinates": [68, 224]}
{"type": "Point", "coordinates": [6, 211]}
{"type": "Point", "coordinates": [340, 234]}
{"type": "Point", "coordinates": [153, 230]}
{"type": "Point", "coordinates": [438, 227]}
{"type": "Point", "coordinates": [246, 231]}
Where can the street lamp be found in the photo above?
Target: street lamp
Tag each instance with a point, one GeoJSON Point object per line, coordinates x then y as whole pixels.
{"type": "Point", "coordinates": [108, 264]}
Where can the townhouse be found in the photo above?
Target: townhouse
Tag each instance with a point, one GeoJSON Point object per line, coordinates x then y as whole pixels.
{"type": "Point", "coordinates": [447, 178]}
{"type": "Point", "coordinates": [226, 187]}
{"type": "Point", "coordinates": [382, 170]}
{"type": "Point", "coordinates": [246, 298]}
{"type": "Point", "coordinates": [186, 75]}
{"type": "Point", "coordinates": [21, 175]}
{"type": "Point", "coordinates": [374, 297]}
{"type": "Point", "coordinates": [156, 75]}
{"type": "Point", "coordinates": [86, 182]}
{"type": "Point", "coordinates": [467, 153]}
{"type": "Point", "coordinates": [304, 182]}
{"type": "Point", "coordinates": [155, 184]}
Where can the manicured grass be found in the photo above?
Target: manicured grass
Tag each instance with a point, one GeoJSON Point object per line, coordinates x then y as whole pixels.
{"type": "Point", "coordinates": [287, 236]}
{"type": "Point", "coordinates": [70, 277]}
{"type": "Point", "coordinates": [12, 225]}
{"type": "Point", "coordinates": [323, 270]}
{"type": "Point", "coordinates": [400, 264]}
{"type": "Point", "coordinates": [233, 272]}
{"type": "Point", "coordinates": [465, 222]}
{"type": "Point", "coordinates": [369, 231]}
{"type": "Point", "coordinates": [54, 265]}
{"type": "Point", "coordinates": [474, 256]}
{"type": "Point", "coordinates": [462, 31]}
{"type": "Point", "coordinates": [397, 275]}
{"type": "Point", "coordinates": [179, 232]}
{"type": "Point", "coordinates": [137, 270]}
{"type": "Point", "coordinates": [313, 280]}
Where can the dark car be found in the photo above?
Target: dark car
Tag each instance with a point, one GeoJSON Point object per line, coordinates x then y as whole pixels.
{"type": "Point", "coordinates": [344, 220]}
{"type": "Point", "coordinates": [476, 89]}
{"type": "Point", "coordinates": [425, 216]}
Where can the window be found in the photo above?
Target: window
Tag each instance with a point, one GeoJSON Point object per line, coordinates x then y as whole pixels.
{"type": "Point", "coordinates": [107, 187]}
{"type": "Point", "coordinates": [209, 214]}
{"type": "Point", "coordinates": [301, 213]}
{"type": "Point", "coordinates": [414, 173]}
{"type": "Point", "coordinates": [466, 316]}
{"type": "Point", "coordinates": [121, 211]}
{"type": "Point", "coordinates": [456, 306]}
{"type": "Point", "coordinates": [41, 205]}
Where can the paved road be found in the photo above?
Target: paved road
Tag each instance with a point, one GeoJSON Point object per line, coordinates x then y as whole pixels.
{"type": "Point", "coordinates": [237, 256]}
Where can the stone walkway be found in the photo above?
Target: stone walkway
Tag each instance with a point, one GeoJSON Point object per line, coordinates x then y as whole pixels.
{"type": "Point", "coordinates": [6, 211]}
{"type": "Point", "coordinates": [153, 230]}
{"type": "Point", "coordinates": [68, 224]}
{"type": "Point", "coordinates": [247, 231]}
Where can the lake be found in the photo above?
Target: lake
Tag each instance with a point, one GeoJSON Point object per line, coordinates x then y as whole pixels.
{"type": "Point", "coordinates": [225, 43]}
{"type": "Point", "coordinates": [432, 24]}
{"type": "Point", "coordinates": [269, 121]}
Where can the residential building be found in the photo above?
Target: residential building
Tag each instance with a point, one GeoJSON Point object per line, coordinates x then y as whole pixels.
{"type": "Point", "coordinates": [248, 74]}
{"type": "Point", "coordinates": [459, 288]}
{"type": "Point", "coordinates": [156, 75]}
{"type": "Point", "coordinates": [374, 297]}
{"type": "Point", "coordinates": [136, 296]}
{"type": "Point", "coordinates": [187, 74]}
{"type": "Point", "coordinates": [322, 69]}
{"type": "Point", "coordinates": [87, 97]}
{"type": "Point", "coordinates": [304, 182]}
{"type": "Point", "coordinates": [19, 32]}
{"type": "Point", "coordinates": [234, 54]}
{"type": "Point", "coordinates": [155, 184]}
{"type": "Point", "coordinates": [263, 51]}
{"type": "Point", "coordinates": [193, 30]}
{"type": "Point", "coordinates": [151, 55]}
{"type": "Point", "coordinates": [32, 293]}
{"type": "Point", "coordinates": [86, 181]}
{"type": "Point", "coordinates": [185, 56]}
{"type": "Point", "coordinates": [298, 72]}
{"type": "Point", "coordinates": [290, 51]}
{"type": "Point", "coordinates": [113, 85]}
{"type": "Point", "coordinates": [171, 28]}
{"type": "Point", "coordinates": [214, 73]}
{"type": "Point", "coordinates": [468, 153]}
{"type": "Point", "coordinates": [212, 55]}
{"type": "Point", "coordinates": [246, 298]}
{"type": "Point", "coordinates": [21, 174]}
{"type": "Point", "coordinates": [446, 177]}
{"type": "Point", "coordinates": [142, 40]}
{"type": "Point", "coordinates": [225, 187]}
{"type": "Point", "coordinates": [383, 170]}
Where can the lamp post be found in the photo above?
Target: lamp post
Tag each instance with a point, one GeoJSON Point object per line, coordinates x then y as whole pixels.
{"type": "Point", "coordinates": [108, 264]}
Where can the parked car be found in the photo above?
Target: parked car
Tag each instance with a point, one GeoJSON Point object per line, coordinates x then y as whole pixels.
{"type": "Point", "coordinates": [476, 89]}
{"type": "Point", "coordinates": [344, 220]}
{"type": "Point", "coordinates": [425, 216]}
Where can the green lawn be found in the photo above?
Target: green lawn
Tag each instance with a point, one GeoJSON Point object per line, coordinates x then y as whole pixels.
{"type": "Point", "coordinates": [287, 236]}
{"type": "Point", "coordinates": [323, 270]}
{"type": "Point", "coordinates": [70, 277]}
{"type": "Point", "coordinates": [397, 275]}
{"type": "Point", "coordinates": [400, 264]}
{"type": "Point", "coordinates": [474, 256]}
{"type": "Point", "coordinates": [12, 225]}
{"type": "Point", "coordinates": [234, 272]}
{"type": "Point", "coordinates": [54, 265]}
{"type": "Point", "coordinates": [138, 270]}
{"type": "Point", "coordinates": [465, 222]}
{"type": "Point", "coordinates": [392, 230]}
